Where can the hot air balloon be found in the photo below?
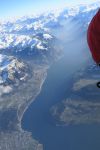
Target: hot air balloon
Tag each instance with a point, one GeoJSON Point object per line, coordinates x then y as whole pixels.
{"type": "Point", "coordinates": [93, 38]}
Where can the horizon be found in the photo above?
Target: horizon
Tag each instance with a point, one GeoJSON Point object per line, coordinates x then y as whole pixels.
{"type": "Point", "coordinates": [20, 8]}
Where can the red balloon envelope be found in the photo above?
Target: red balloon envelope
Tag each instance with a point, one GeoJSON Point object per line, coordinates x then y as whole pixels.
{"type": "Point", "coordinates": [93, 37]}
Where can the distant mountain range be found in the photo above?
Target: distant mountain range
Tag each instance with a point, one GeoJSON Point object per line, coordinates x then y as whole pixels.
{"type": "Point", "coordinates": [24, 32]}
{"type": "Point", "coordinates": [32, 37]}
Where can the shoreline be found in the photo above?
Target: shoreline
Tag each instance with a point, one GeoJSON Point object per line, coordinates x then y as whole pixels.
{"type": "Point", "coordinates": [31, 101]}
{"type": "Point", "coordinates": [18, 104]}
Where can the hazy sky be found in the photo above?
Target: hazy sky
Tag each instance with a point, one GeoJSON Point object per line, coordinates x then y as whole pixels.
{"type": "Point", "coordinates": [11, 8]}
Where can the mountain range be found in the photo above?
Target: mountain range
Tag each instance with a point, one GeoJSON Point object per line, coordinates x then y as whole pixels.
{"type": "Point", "coordinates": [36, 31]}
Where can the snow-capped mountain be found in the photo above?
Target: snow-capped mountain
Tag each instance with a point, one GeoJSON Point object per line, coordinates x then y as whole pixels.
{"type": "Point", "coordinates": [12, 71]}
{"type": "Point", "coordinates": [23, 41]}
{"type": "Point", "coordinates": [33, 34]}
{"type": "Point", "coordinates": [25, 34]}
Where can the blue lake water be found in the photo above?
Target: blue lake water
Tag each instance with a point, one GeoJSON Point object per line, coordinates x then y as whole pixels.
{"type": "Point", "coordinates": [37, 119]}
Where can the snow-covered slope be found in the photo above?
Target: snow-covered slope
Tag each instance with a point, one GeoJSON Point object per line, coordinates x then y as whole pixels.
{"type": "Point", "coordinates": [11, 68]}
{"type": "Point", "coordinates": [22, 41]}
{"type": "Point", "coordinates": [12, 73]}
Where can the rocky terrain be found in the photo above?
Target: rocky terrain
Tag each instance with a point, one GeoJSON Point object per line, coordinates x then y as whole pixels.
{"type": "Point", "coordinates": [20, 83]}
{"type": "Point", "coordinates": [82, 106]}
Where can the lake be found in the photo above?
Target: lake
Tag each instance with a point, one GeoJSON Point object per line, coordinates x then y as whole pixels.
{"type": "Point", "coordinates": [38, 120]}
